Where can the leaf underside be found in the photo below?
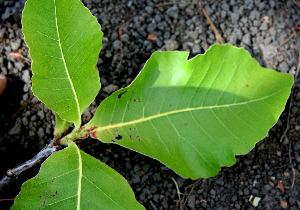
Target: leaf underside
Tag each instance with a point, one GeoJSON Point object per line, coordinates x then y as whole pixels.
{"type": "Point", "coordinates": [194, 115]}
{"type": "Point", "coordinates": [72, 179]}
{"type": "Point", "coordinates": [64, 40]}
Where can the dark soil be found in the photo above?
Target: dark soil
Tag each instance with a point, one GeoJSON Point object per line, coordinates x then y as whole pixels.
{"type": "Point", "coordinates": [268, 174]}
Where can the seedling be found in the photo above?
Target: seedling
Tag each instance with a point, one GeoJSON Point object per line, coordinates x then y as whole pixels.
{"type": "Point", "coordinates": [192, 115]}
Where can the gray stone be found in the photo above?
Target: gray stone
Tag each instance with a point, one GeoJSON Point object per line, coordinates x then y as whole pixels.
{"type": "Point", "coordinates": [103, 82]}
{"type": "Point", "coordinates": [235, 17]}
{"type": "Point", "coordinates": [173, 12]}
{"type": "Point", "coordinates": [26, 76]}
{"type": "Point", "coordinates": [171, 45]}
{"type": "Point", "coordinates": [284, 67]}
{"type": "Point", "coordinates": [189, 11]}
{"type": "Point", "coordinates": [111, 88]}
{"type": "Point", "coordinates": [267, 40]}
{"type": "Point", "coordinates": [25, 121]}
{"type": "Point", "coordinates": [233, 38]}
{"type": "Point", "coordinates": [246, 39]}
{"type": "Point", "coordinates": [191, 201]}
{"type": "Point", "coordinates": [264, 26]}
{"type": "Point", "coordinates": [15, 45]}
{"type": "Point", "coordinates": [254, 15]}
{"type": "Point", "coordinates": [269, 52]}
{"type": "Point", "coordinates": [2, 32]}
{"type": "Point", "coordinates": [225, 7]}
{"type": "Point", "coordinates": [280, 25]}
{"type": "Point", "coordinates": [196, 49]}
{"type": "Point", "coordinates": [33, 118]}
{"type": "Point", "coordinates": [125, 38]}
{"type": "Point", "coordinates": [149, 10]}
{"type": "Point", "coordinates": [6, 14]}
{"type": "Point", "coordinates": [16, 130]}
{"type": "Point", "coordinates": [19, 65]}
{"type": "Point", "coordinates": [223, 14]}
{"type": "Point", "coordinates": [41, 133]}
{"type": "Point", "coordinates": [41, 114]}
{"type": "Point", "coordinates": [135, 179]}
{"type": "Point", "coordinates": [117, 44]}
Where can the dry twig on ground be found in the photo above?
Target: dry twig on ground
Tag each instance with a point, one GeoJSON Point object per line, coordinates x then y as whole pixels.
{"type": "Point", "coordinates": [217, 35]}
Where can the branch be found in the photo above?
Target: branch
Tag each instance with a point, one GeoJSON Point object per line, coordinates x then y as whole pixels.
{"type": "Point", "coordinates": [15, 172]}
{"type": "Point", "coordinates": [217, 35]}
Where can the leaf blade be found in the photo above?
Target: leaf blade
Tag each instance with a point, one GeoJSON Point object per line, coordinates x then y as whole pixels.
{"type": "Point", "coordinates": [72, 179]}
{"type": "Point", "coordinates": [194, 115]}
{"type": "Point", "coordinates": [59, 35]}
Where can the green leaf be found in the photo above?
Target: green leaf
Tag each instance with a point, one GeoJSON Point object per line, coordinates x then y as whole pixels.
{"type": "Point", "coordinates": [64, 40]}
{"type": "Point", "coordinates": [61, 126]}
{"type": "Point", "coordinates": [194, 115]}
{"type": "Point", "coordinates": [72, 179]}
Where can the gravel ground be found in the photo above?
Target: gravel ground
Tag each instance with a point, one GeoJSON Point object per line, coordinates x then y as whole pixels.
{"type": "Point", "coordinates": [266, 178]}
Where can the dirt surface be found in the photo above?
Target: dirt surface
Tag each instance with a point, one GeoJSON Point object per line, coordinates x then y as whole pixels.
{"type": "Point", "coordinates": [133, 30]}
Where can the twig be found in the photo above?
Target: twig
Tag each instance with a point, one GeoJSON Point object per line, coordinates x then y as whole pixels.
{"type": "Point", "coordinates": [177, 188]}
{"type": "Point", "coordinates": [9, 26]}
{"type": "Point", "coordinates": [202, 27]}
{"type": "Point", "coordinates": [153, 206]}
{"type": "Point", "coordinates": [172, 3]}
{"type": "Point", "coordinates": [217, 35]}
{"type": "Point", "coordinates": [288, 120]}
{"type": "Point", "coordinates": [297, 3]}
{"type": "Point", "coordinates": [7, 199]}
{"type": "Point", "coordinates": [287, 40]}
{"type": "Point", "coordinates": [182, 204]}
{"type": "Point", "coordinates": [290, 158]}
{"type": "Point", "coordinates": [22, 107]}
{"type": "Point", "coordinates": [15, 172]}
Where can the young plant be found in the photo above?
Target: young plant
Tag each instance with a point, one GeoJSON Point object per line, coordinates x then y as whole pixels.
{"type": "Point", "coordinates": [192, 115]}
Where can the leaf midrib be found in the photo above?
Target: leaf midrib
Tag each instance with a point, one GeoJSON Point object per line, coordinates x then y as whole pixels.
{"type": "Point", "coordinates": [67, 70]}
{"type": "Point", "coordinates": [176, 112]}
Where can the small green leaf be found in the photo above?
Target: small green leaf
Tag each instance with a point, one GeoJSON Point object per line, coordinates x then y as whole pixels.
{"type": "Point", "coordinates": [64, 40]}
{"type": "Point", "coordinates": [61, 126]}
{"type": "Point", "coordinates": [194, 115]}
{"type": "Point", "coordinates": [72, 179]}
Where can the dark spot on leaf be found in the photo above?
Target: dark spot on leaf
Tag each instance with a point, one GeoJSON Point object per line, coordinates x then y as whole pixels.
{"type": "Point", "coordinates": [140, 140]}
{"type": "Point", "coordinates": [112, 122]}
{"type": "Point", "coordinates": [138, 100]}
{"type": "Point", "coordinates": [170, 105]}
{"type": "Point", "coordinates": [85, 136]}
{"type": "Point", "coordinates": [130, 128]}
{"type": "Point", "coordinates": [112, 140]}
{"type": "Point", "coordinates": [93, 135]}
{"type": "Point", "coordinates": [137, 136]}
{"type": "Point", "coordinates": [120, 95]}
{"type": "Point", "coordinates": [130, 99]}
{"type": "Point", "coordinates": [93, 182]}
{"type": "Point", "coordinates": [55, 192]}
{"type": "Point", "coordinates": [53, 195]}
{"type": "Point", "coordinates": [134, 100]}
{"type": "Point", "coordinates": [130, 137]}
{"type": "Point", "coordinates": [134, 128]}
{"type": "Point", "coordinates": [118, 137]}
{"type": "Point", "coordinates": [132, 91]}
{"type": "Point", "coordinates": [40, 196]}
{"type": "Point", "coordinates": [185, 124]}
{"type": "Point", "coordinates": [247, 85]}
{"type": "Point", "coordinates": [128, 106]}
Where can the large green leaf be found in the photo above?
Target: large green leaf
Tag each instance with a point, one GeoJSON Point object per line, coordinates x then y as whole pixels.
{"type": "Point", "coordinates": [194, 115]}
{"type": "Point", "coordinates": [64, 40]}
{"type": "Point", "coordinates": [72, 179]}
